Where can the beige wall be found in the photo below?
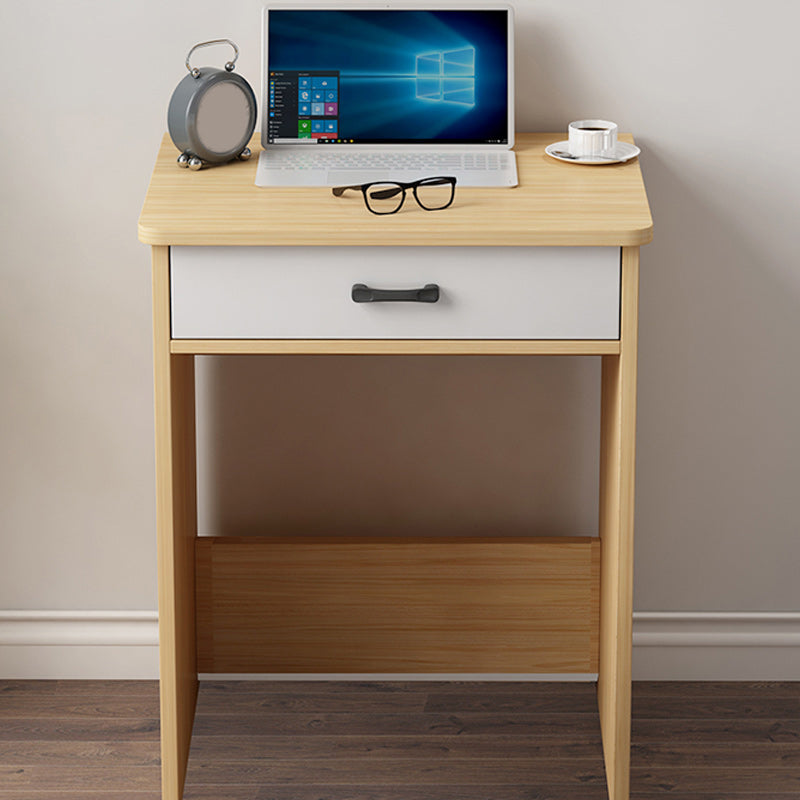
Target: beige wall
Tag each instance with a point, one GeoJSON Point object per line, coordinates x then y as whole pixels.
{"type": "Point", "coordinates": [709, 89]}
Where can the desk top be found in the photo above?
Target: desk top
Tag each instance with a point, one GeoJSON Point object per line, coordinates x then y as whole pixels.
{"type": "Point", "coordinates": [555, 204]}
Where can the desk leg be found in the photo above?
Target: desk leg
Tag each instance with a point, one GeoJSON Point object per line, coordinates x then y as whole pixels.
{"type": "Point", "coordinates": [176, 522]}
{"type": "Point", "coordinates": [618, 440]}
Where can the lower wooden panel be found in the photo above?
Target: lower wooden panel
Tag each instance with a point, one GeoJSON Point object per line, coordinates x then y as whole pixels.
{"type": "Point", "coordinates": [324, 604]}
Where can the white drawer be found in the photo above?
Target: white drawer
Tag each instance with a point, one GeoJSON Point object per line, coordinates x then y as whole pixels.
{"type": "Point", "coordinates": [484, 292]}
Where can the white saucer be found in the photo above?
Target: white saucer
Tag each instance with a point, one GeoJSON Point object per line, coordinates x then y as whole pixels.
{"type": "Point", "coordinates": [624, 152]}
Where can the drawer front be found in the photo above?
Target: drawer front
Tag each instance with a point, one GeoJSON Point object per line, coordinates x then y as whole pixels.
{"type": "Point", "coordinates": [484, 292]}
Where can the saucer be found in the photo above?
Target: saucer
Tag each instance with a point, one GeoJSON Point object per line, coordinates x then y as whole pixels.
{"type": "Point", "coordinates": [624, 152]}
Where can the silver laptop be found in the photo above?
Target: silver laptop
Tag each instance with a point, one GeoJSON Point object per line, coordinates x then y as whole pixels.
{"type": "Point", "coordinates": [389, 92]}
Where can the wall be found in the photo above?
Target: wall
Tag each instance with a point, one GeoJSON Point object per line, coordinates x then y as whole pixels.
{"type": "Point", "coordinates": [706, 88]}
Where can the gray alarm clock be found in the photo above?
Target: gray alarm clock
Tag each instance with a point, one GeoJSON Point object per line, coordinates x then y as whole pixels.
{"type": "Point", "coordinates": [212, 113]}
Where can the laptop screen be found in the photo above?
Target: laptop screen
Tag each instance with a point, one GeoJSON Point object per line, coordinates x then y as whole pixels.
{"type": "Point", "coordinates": [398, 76]}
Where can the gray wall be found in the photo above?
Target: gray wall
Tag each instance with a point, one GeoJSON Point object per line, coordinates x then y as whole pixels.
{"type": "Point", "coordinates": [709, 90]}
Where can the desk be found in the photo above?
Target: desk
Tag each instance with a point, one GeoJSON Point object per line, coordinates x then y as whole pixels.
{"type": "Point", "coordinates": [509, 604]}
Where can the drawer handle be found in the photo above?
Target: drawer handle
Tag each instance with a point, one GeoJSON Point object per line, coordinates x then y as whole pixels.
{"type": "Point", "coordinates": [362, 293]}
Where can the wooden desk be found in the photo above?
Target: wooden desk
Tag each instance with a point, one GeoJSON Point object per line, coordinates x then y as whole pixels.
{"type": "Point", "coordinates": [509, 604]}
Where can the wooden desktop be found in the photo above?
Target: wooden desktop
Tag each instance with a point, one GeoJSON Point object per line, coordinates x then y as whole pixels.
{"type": "Point", "coordinates": [568, 233]}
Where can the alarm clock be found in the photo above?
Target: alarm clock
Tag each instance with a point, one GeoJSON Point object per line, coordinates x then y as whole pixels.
{"type": "Point", "coordinates": [212, 113]}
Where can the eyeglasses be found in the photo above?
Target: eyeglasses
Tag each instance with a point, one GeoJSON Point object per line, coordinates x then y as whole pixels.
{"type": "Point", "coordinates": [386, 197]}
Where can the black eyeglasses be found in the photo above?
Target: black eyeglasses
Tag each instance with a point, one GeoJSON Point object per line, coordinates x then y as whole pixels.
{"type": "Point", "coordinates": [387, 197]}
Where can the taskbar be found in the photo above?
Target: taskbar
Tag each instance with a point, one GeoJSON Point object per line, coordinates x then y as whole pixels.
{"type": "Point", "coordinates": [397, 142]}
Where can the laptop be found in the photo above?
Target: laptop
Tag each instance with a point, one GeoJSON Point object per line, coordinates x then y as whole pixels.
{"type": "Point", "coordinates": [389, 92]}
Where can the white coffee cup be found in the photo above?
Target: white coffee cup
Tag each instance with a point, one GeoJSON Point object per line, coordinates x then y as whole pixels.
{"type": "Point", "coordinates": [593, 137]}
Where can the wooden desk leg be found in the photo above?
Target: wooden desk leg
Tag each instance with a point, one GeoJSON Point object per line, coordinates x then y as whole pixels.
{"type": "Point", "coordinates": [618, 440]}
{"type": "Point", "coordinates": [176, 522]}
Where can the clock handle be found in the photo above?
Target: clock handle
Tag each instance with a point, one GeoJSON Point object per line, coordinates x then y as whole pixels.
{"type": "Point", "coordinates": [229, 65]}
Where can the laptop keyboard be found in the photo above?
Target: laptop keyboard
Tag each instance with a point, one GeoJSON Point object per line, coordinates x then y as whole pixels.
{"type": "Point", "coordinates": [433, 163]}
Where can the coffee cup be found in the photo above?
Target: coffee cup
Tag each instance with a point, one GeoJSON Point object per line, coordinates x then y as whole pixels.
{"type": "Point", "coordinates": [593, 137]}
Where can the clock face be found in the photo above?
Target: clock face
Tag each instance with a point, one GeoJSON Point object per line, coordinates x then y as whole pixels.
{"type": "Point", "coordinates": [224, 114]}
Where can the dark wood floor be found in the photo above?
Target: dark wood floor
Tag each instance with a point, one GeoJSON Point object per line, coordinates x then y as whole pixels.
{"type": "Point", "coordinates": [399, 741]}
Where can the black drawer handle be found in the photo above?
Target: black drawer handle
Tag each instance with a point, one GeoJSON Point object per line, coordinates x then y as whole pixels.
{"type": "Point", "coordinates": [362, 293]}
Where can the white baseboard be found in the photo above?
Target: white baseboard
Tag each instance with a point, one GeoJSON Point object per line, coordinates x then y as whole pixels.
{"type": "Point", "coordinates": [716, 645]}
{"type": "Point", "coordinates": [79, 644]}
{"type": "Point", "coordinates": [666, 645]}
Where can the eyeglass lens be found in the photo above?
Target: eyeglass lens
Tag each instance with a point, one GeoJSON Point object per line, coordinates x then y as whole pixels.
{"type": "Point", "coordinates": [435, 193]}
{"type": "Point", "coordinates": [384, 198]}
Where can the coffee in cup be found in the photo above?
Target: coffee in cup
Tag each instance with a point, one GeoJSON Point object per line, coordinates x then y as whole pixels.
{"type": "Point", "coordinates": [593, 137]}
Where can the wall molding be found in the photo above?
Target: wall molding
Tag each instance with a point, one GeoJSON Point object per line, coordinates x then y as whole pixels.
{"type": "Point", "coordinates": [79, 644]}
{"type": "Point", "coordinates": [716, 645]}
{"type": "Point", "coordinates": [716, 629]}
{"type": "Point", "coordinates": [667, 645]}
{"type": "Point", "coordinates": [76, 628]}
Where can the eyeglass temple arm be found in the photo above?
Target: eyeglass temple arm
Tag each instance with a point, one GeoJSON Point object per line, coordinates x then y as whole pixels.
{"type": "Point", "coordinates": [381, 194]}
{"type": "Point", "coordinates": [338, 191]}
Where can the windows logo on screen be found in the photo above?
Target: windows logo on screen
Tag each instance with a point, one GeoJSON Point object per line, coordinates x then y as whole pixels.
{"type": "Point", "coordinates": [447, 76]}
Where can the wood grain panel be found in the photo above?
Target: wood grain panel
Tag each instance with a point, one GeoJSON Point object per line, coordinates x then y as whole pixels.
{"type": "Point", "coordinates": [481, 791]}
{"type": "Point", "coordinates": [677, 753]}
{"type": "Point", "coordinates": [71, 729]}
{"type": "Point", "coordinates": [327, 604]}
{"type": "Point", "coordinates": [284, 699]}
{"type": "Point", "coordinates": [59, 794]}
{"type": "Point", "coordinates": [176, 524]}
{"type": "Point", "coordinates": [77, 688]}
{"type": "Point", "coordinates": [49, 707]}
{"type": "Point", "coordinates": [392, 747]}
{"type": "Point", "coordinates": [701, 756]}
{"type": "Point", "coordinates": [60, 753]}
{"type": "Point", "coordinates": [63, 779]}
{"type": "Point", "coordinates": [730, 781]}
{"type": "Point", "coordinates": [555, 204]}
{"type": "Point", "coordinates": [415, 772]}
{"type": "Point", "coordinates": [214, 688]}
{"type": "Point", "coordinates": [701, 732]}
{"type": "Point", "coordinates": [713, 689]}
{"type": "Point", "coordinates": [617, 464]}
{"type": "Point", "coordinates": [475, 701]}
{"type": "Point", "coordinates": [543, 728]}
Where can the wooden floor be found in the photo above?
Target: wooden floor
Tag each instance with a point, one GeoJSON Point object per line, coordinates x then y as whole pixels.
{"type": "Point", "coordinates": [399, 741]}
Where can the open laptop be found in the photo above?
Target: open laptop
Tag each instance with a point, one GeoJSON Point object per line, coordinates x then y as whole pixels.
{"type": "Point", "coordinates": [395, 92]}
